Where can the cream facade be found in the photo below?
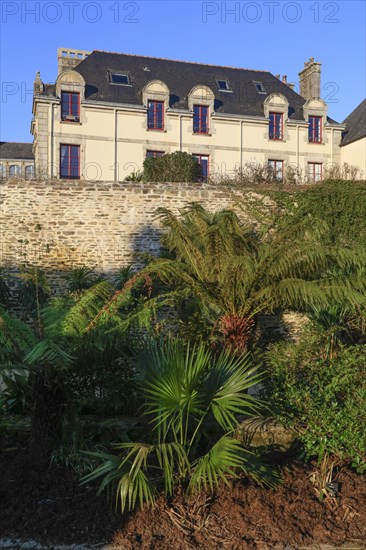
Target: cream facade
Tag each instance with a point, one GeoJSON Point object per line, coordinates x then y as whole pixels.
{"type": "Point", "coordinates": [109, 137]}
{"type": "Point", "coordinates": [354, 155]}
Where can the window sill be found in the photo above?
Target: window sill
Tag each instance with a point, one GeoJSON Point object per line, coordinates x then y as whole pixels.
{"type": "Point", "coordinates": [201, 134]}
{"type": "Point", "coordinates": [316, 143]}
{"type": "Point", "coordinates": [72, 122]}
{"type": "Point", "coordinates": [156, 130]}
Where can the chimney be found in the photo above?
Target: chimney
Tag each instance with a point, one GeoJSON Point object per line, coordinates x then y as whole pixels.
{"type": "Point", "coordinates": [284, 78]}
{"type": "Point", "coordinates": [38, 84]}
{"type": "Point", "coordinates": [278, 76]}
{"type": "Point", "coordinates": [68, 58]}
{"type": "Point", "coordinates": [310, 79]}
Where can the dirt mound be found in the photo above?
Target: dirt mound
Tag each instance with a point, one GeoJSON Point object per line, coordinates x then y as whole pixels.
{"type": "Point", "coordinates": [53, 508]}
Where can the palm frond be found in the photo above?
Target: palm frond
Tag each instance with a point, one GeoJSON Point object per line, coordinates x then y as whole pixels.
{"type": "Point", "coordinates": [49, 352]}
{"type": "Point", "coordinates": [220, 463]}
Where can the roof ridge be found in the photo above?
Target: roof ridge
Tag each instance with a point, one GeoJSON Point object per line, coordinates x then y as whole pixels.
{"type": "Point", "coordinates": [184, 61]}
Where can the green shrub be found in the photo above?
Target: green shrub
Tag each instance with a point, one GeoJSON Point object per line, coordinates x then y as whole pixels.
{"type": "Point", "coordinates": [192, 399]}
{"type": "Point", "coordinates": [325, 398]}
{"type": "Point", "coordinates": [175, 167]}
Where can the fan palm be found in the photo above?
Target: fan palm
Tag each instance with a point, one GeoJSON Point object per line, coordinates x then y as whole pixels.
{"type": "Point", "coordinates": [192, 399]}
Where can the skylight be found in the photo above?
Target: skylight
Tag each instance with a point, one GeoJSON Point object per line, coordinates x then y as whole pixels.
{"type": "Point", "coordinates": [260, 88]}
{"type": "Point", "coordinates": [120, 78]}
{"type": "Point", "coordinates": [223, 85]}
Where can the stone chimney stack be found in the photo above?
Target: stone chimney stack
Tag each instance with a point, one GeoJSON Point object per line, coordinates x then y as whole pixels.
{"type": "Point", "coordinates": [38, 84]}
{"type": "Point", "coordinates": [310, 79]}
{"type": "Point", "coordinates": [68, 58]}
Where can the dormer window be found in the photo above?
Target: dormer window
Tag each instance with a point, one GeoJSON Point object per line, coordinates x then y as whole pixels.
{"type": "Point", "coordinates": [200, 119]}
{"type": "Point", "coordinates": [315, 129]}
{"type": "Point", "coordinates": [155, 115]}
{"type": "Point", "coordinates": [223, 85]}
{"type": "Point", "coordinates": [276, 126]}
{"type": "Point", "coordinates": [122, 79]}
{"type": "Point", "coordinates": [70, 106]}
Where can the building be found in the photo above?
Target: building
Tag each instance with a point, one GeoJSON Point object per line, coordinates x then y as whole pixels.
{"type": "Point", "coordinates": [16, 160]}
{"type": "Point", "coordinates": [354, 139]}
{"type": "Point", "coordinates": [107, 112]}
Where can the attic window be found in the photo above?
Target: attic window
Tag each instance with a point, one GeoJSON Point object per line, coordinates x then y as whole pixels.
{"type": "Point", "coordinates": [120, 78]}
{"type": "Point", "coordinates": [223, 85]}
{"type": "Point", "coordinates": [260, 88]}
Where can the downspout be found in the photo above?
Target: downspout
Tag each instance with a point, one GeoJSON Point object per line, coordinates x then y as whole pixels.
{"type": "Point", "coordinates": [241, 146]}
{"type": "Point", "coordinates": [297, 147]}
{"type": "Point", "coordinates": [331, 147]}
{"type": "Point", "coordinates": [52, 132]}
{"type": "Point", "coordinates": [180, 132]}
{"type": "Point", "coordinates": [115, 147]}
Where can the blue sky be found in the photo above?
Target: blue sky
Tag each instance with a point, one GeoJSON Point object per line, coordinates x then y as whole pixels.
{"type": "Point", "coordinates": [277, 36]}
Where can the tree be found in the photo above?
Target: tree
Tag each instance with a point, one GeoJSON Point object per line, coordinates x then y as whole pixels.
{"type": "Point", "coordinates": [192, 398]}
{"type": "Point", "coordinates": [233, 274]}
{"type": "Point", "coordinates": [48, 351]}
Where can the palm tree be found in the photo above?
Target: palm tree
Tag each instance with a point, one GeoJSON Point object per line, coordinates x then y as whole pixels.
{"type": "Point", "coordinates": [47, 352]}
{"type": "Point", "coordinates": [192, 398]}
{"type": "Point", "coordinates": [232, 274]}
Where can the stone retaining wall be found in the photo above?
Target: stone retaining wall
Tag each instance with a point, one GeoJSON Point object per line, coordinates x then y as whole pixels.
{"type": "Point", "coordinates": [61, 225]}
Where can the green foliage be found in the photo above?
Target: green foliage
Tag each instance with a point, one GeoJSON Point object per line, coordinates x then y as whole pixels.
{"type": "Point", "coordinates": [80, 278]}
{"type": "Point", "coordinates": [134, 176]}
{"type": "Point", "coordinates": [16, 339]}
{"type": "Point", "coordinates": [16, 392]}
{"type": "Point", "coordinates": [4, 287]}
{"type": "Point", "coordinates": [342, 206]}
{"type": "Point", "coordinates": [34, 291]}
{"type": "Point", "coordinates": [173, 167]}
{"type": "Point", "coordinates": [192, 399]}
{"type": "Point", "coordinates": [325, 398]}
{"type": "Point", "coordinates": [233, 274]}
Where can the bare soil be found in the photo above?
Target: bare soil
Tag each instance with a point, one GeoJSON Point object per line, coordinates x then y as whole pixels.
{"type": "Point", "coordinates": [52, 508]}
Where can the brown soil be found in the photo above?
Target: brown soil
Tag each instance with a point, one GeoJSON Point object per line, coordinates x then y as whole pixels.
{"type": "Point", "coordinates": [53, 508]}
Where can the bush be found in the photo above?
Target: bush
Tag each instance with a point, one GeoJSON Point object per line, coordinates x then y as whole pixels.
{"type": "Point", "coordinates": [192, 399]}
{"type": "Point", "coordinates": [175, 167]}
{"type": "Point", "coordinates": [327, 398]}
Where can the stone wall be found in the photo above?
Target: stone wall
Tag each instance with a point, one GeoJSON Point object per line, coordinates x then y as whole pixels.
{"type": "Point", "coordinates": [61, 225]}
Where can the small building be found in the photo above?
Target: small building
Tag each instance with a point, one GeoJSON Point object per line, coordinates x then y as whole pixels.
{"type": "Point", "coordinates": [16, 160]}
{"type": "Point", "coordinates": [354, 139]}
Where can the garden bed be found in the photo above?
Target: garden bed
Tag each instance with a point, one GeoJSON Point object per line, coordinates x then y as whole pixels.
{"type": "Point", "coordinates": [53, 508]}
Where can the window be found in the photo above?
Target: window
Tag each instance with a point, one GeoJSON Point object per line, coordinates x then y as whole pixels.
{"type": "Point", "coordinates": [155, 115]}
{"type": "Point", "coordinates": [120, 78]}
{"type": "Point", "coordinates": [276, 169]}
{"type": "Point", "coordinates": [70, 106]}
{"type": "Point", "coordinates": [203, 162]}
{"type": "Point", "coordinates": [154, 154]}
{"type": "Point", "coordinates": [223, 85]}
{"type": "Point", "coordinates": [315, 129]}
{"type": "Point", "coordinates": [314, 172]}
{"type": "Point", "coordinates": [70, 161]}
{"type": "Point", "coordinates": [200, 119]}
{"type": "Point", "coordinates": [14, 171]}
{"type": "Point", "coordinates": [276, 126]}
{"type": "Point", "coordinates": [2, 171]}
{"type": "Point", "coordinates": [29, 172]}
{"type": "Point", "coordinates": [259, 87]}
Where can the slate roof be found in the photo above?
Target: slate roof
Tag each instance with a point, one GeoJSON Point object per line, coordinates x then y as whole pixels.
{"type": "Point", "coordinates": [16, 150]}
{"type": "Point", "coordinates": [181, 77]}
{"type": "Point", "coordinates": [355, 124]}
